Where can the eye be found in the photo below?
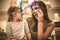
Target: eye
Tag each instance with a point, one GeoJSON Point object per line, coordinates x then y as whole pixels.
{"type": "Point", "coordinates": [36, 8]}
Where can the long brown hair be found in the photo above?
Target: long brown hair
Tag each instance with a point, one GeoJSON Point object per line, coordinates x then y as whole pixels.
{"type": "Point", "coordinates": [44, 9]}
{"type": "Point", "coordinates": [10, 12]}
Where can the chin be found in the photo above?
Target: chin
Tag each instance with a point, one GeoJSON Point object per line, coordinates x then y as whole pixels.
{"type": "Point", "coordinates": [21, 19]}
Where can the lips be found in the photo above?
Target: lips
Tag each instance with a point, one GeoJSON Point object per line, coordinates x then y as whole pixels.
{"type": "Point", "coordinates": [36, 15]}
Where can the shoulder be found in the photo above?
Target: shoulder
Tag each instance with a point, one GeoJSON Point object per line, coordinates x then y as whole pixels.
{"type": "Point", "coordinates": [29, 19]}
{"type": "Point", "coordinates": [24, 20]}
{"type": "Point", "coordinates": [8, 24]}
{"type": "Point", "coordinates": [51, 24]}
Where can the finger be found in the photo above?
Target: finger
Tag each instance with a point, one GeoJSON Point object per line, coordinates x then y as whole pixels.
{"type": "Point", "coordinates": [38, 12]}
{"type": "Point", "coordinates": [41, 11]}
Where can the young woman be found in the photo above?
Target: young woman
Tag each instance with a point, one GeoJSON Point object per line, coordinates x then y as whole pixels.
{"type": "Point", "coordinates": [40, 25]}
{"type": "Point", "coordinates": [17, 27]}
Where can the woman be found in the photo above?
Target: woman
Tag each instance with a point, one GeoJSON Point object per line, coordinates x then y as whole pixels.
{"type": "Point", "coordinates": [17, 27]}
{"type": "Point", "coordinates": [40, 25]}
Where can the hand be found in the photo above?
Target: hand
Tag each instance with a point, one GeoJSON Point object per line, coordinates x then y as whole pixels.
{"type": "Point", "coordinates": [40, 15]}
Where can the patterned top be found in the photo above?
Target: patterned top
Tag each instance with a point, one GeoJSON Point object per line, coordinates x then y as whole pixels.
{"type": "Point", "coordinates": [31, 24]}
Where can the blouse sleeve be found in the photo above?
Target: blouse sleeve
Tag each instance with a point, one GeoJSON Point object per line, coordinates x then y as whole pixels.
{"type": "Point", "coordinates": [26, 26]}
{"type": "Point", "coordinates": [8, 30]}
{"type": "Point", "coordinates": [51, 24]}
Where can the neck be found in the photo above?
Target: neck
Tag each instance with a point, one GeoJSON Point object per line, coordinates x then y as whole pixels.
{"type": "Point", "coordinates": [15, 20]}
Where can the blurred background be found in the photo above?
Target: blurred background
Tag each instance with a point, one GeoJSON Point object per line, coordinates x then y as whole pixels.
{"type": "Point", "coordinates": [53, 7]}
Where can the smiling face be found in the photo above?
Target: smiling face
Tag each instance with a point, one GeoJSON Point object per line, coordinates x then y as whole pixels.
{"type": "Point", "coordinates": [35, 10]}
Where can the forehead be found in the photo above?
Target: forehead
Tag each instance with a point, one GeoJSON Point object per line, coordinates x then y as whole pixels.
{"type": "Point", "coordinates": [17, 12]}
{"type": "Point", "coordinates": [34, 6]}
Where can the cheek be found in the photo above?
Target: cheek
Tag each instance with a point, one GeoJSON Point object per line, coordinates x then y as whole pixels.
{"type": "Point", "coordinates": [19, 15]}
